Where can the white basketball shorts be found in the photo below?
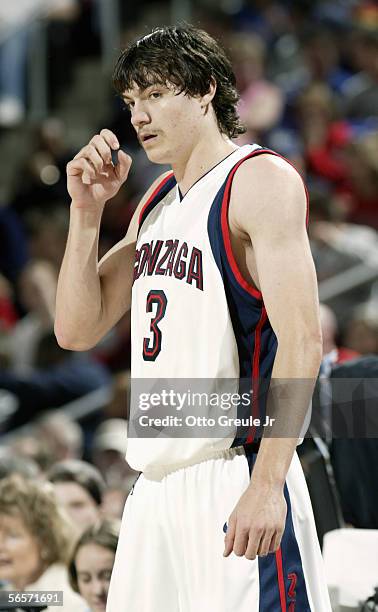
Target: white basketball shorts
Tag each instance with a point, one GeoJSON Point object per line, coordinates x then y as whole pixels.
{"type": "Point", "coordinates": [170, 551]}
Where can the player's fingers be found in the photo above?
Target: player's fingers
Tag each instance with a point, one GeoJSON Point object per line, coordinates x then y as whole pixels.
{"type": "Point", "coordinates": [103, 148]}
{"type": "Point", "coordinates": [123, 167]}
{"type": "Point", "coordinates": [78, 166]}
{"type": "Point", "coordinates": [82, 167]}
{"type": "Point", "coordinates": [276, 541]}
{"type": "Point", "coordinates": [265, 543]}
{"type": "Point", "coordinates": [110, 138]}
{"type": "Point", "coordinates": [254, 539]}
{"type": "Point", "coordinates": [240, 541]}
{"type": "Point", "coordinates": [229, 538]}
{"type": "Point", "coordinates": [90, 153]}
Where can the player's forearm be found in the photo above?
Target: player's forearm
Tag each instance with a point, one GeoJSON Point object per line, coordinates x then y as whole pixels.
{"type": "Point", "coordinates": [299, 354]}
{"type": "Point", "coordinates": [273, 462]}
{"type": "Point", "coordinates": [78, 303]}
{"type": "Point", "coordinates": [294, 374]}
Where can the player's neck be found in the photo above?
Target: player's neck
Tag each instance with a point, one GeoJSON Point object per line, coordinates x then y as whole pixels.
{"type": "Point", "coordinates": [207, 153]}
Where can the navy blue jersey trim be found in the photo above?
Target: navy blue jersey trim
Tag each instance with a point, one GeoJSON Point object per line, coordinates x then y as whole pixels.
{"type": "Point", "coordinates": [281, 576]}
{"type": "Point", "coordinates": [161, 191]}
{"type": "Point", "coordinates": [255, 338]}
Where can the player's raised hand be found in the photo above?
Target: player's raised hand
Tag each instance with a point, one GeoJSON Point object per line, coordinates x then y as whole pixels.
{"type": "Point", "coordinates": [257, 523]}
{"type": "Point", "coordinates": [92, 178]}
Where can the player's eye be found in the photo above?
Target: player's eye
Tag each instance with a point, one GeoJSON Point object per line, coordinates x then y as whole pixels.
{"type": "Point", "coordinates": [155, 95]}
{"type": "Point", "coordinates": [128, 105]}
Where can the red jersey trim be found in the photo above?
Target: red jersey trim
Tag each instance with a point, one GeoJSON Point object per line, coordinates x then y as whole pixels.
{"type": "Point", "coordinates": [256, 373]}
{"type": "Point", "coordinates": [153, 196]}
{"type": "Point", "coordinates": [226, 234]}
{"type": "Point", "coordinates": [281, 581]}
{"type": "Point", "coordinates": [224, 220]}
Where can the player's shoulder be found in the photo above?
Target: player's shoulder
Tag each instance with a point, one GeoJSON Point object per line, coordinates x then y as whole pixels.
{"type": "Point", "coordinates": [267, 171]}
{"type": "Point", "coordinates": [267, 190]}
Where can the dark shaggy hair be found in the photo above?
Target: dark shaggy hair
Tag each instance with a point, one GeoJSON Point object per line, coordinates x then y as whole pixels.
{"type": "Point", "coordinates": [189, 59]}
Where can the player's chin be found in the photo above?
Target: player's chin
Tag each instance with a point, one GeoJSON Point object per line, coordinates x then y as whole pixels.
{"type": "Point", "coordinates": [158, 157]}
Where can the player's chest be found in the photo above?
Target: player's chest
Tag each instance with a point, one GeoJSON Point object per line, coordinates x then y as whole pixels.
{"type": "Point", "coordinates": [173, 243]}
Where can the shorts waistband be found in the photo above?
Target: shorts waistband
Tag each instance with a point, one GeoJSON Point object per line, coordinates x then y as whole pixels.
{"type": "Point", "coordinates": [160, 472]}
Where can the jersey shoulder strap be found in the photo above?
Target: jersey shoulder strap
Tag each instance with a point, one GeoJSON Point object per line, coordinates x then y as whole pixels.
{"type": "Point", "coordinates": [164, 187]}
{"type": "Point", "coordinates": [256, 153]}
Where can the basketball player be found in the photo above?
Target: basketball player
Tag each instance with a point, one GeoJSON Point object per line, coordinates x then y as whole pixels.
{"type": "Point", "coordinates": [217, 267]}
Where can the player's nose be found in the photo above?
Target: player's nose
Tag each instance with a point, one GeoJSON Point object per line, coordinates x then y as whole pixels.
{"type": "Point", "coordinates": [139, 116]}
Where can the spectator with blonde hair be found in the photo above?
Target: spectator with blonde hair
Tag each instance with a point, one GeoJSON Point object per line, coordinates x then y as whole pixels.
{"type": "Point", "coordinates": [35, 541]}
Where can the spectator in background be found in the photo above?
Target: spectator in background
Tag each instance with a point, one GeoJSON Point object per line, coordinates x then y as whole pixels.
{"type": "Point", "coordinates": [114, 351]}
{"type": "Point", "coordinates": [108, 455]}
{"type": "Point", "coordinates": [13, 58]}
{"type": "Point", "coordinates": [59, 377]}
{"type": "Point", "coordinates": [119, 405]}
{"type": "Point", "coordinates": [34, 541]}
{"type": "Point", "coordinates": [360, 91]}
{"type": "Point", "coordinates": [36, 285]}
{"type": "Point", "coordinates": [31, 448]}
{"type": "Point", "coordinates": [269, 18]}
{"type": "Point", "coordinates": [43, 171]}
{"type": "Point", "coordinates": [91, 563]}
{"type": "Point", "coordinates": [12, 464]}
{"type": "Point", "coordinates": [8, 315]}
{"type": "Point", "coordinates": [79, 489]}
{"type": "Point", "coordinates": [361, 332]}
{"type": "Point", "coordinates": [37, 291]}
{"type": "Point", "coordinates": [324, 134]}
{"type": "Point", "coordinates": [116, 218]}
{"type": "Point", "coordinates": [261, 101]}
{"type": "Point", "coordinates": [63, 435]}
{"type": "Point", "coordinates": [17, 21]}
{"type": "Point", "coordinates": [323, 61]}
{"type": "Point", "coordinates": [361, 158]}
{"type": "Point", "coordinates": [47, 234]}
{"type": "Point", "coordinates": [354, 448]}
{"type": "Point", "coordinates": [338, 246]}
{"type": "Point", "coordinates": [109, 449]}
{"type": "Point", "coordinates": [332, 353]}
{"type": "Point", "coordinates": [13, 244]}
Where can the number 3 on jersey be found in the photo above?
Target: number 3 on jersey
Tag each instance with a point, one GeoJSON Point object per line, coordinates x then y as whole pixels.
{"type": "Point", "coordinates": [158, 298]}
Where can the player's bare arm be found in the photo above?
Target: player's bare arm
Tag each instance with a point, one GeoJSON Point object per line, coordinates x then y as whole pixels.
{"type": "Point", "coordinates": [92, 296]}
{"type": "Point", "coordinates": [272, 223]}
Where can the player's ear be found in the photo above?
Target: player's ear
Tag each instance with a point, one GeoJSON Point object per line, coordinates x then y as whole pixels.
{"type": "Point", "coordinates": [208, 97]}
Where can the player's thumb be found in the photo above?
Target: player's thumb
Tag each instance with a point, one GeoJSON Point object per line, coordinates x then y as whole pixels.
{"type": "Point", "coordinates": [230, 536]}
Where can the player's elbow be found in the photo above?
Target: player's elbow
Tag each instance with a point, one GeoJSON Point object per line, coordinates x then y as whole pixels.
{"type": "Point", "coordinates": [313, 338]}
{"type": "Point", "coordinates": [71, 342]}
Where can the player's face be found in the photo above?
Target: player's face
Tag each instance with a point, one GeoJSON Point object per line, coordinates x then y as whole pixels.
{"type": "Point", "coordinates": [167, 123]}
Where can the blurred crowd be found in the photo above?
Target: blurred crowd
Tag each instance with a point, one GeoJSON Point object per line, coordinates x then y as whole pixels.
{"type": "Point", "coordinates": [307, 74]}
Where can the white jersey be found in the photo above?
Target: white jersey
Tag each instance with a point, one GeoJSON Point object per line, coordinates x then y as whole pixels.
{"type": "Point", "coordinates": [193, 315]}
